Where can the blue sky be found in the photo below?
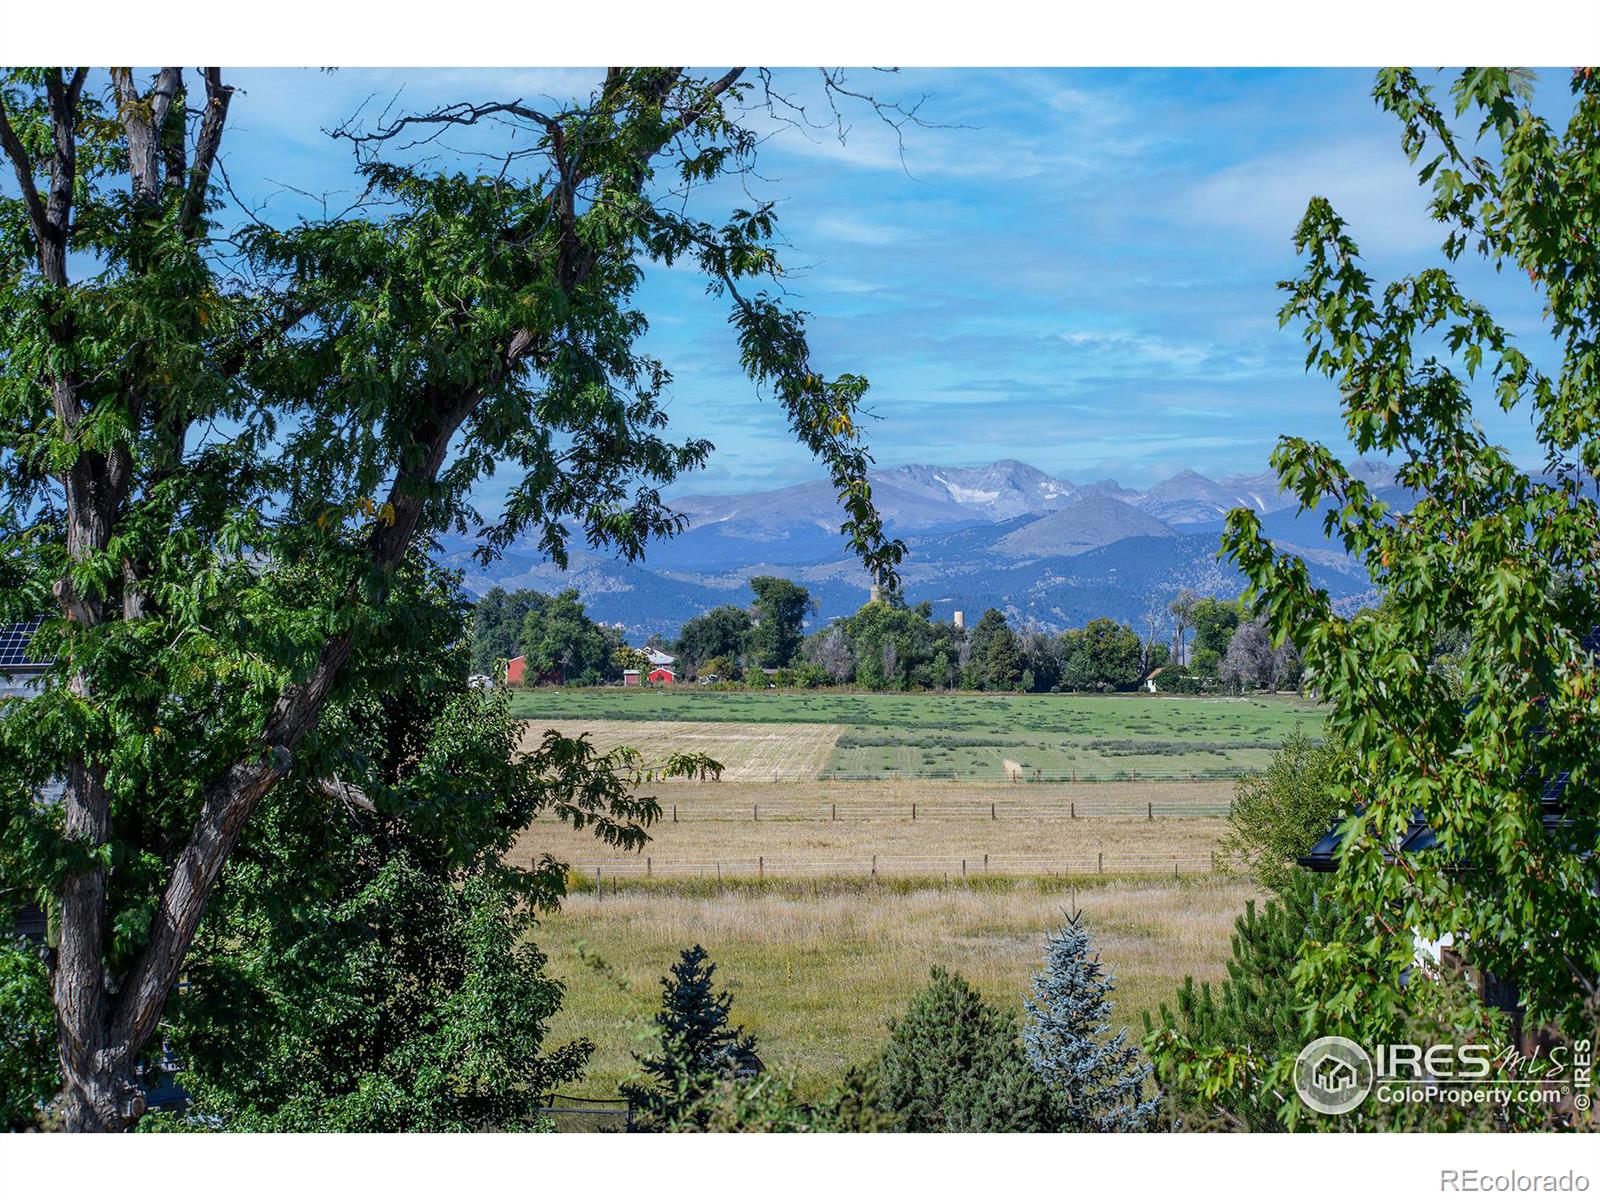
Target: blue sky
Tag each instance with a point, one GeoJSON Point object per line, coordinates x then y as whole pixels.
{"type": "Point", "coordinates": [1076, 269]}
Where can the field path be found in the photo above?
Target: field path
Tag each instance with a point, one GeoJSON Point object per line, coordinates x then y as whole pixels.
{"type": "Point", "coordinates": [756, 751]}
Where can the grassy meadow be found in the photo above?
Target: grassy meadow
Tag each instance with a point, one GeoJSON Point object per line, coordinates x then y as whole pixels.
{"type": "Point", "coordinates": [856, 840]}
{"type": "Point", "coordinates": [959, 736]}
{"type": "Point", "coordinates": [818, 967]}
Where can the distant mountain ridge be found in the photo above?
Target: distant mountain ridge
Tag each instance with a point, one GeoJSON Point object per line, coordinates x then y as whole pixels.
{"type": "Point", "coordinates": [1044, 550]}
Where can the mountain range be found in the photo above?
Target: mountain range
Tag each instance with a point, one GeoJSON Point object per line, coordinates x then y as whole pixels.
{"type": "Point", "coordinates": [1043, 550]}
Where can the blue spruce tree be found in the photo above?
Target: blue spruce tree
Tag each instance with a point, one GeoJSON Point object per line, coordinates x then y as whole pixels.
{"type": "Point", "coordinates": [1096, 1078]}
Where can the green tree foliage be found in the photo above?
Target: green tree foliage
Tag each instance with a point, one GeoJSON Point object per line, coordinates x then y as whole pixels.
{"type": "Point", "coordinates": [221, 437]}
{"type": "Point", "coordinates": [697, 1047]}
{"type": "Point", "coordinates": [1279, 814]}
{"type": "Point", "coordinates": [563, 644]}
{"type": "Point", "coordinates": [780, 610]}
{"type": "Point", "coordinates": [886, 645]}
{"type": "Point", "coordinates": [954, 1064]}
{"type": "Point", "coordinates": [1224, 1056]}
{"type": "Point", "coordinates": [1511, 560]}
{"type": "Point", "coordinates": [1213, 621]}
{"type": "Point", "coordinates": [1104, 655]}
{"type": "Point", "coordinates": [497, 626]}
{"type": "Point", "coordinates": [29, 1075]}
{"type": "Point", "coordinates": [1256, 1017]}
{"type": "Point", "coordinates": [720, 633]}
{"type": "Point", "coordinates": [1096, 1078]}
{"type": "Point", "coordinates": [770, 1103]}
{"type": "Point", "coordinates": [369, 926]}
{"type": "Point", "coordinates": [997, 651]}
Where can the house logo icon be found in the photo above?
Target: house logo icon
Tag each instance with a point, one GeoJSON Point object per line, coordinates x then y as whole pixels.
{"type": "Point", "coordinates": [1333, 1075]}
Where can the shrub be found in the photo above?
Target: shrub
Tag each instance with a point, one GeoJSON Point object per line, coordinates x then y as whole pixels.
{"type": "Point", "coordinates": [1280, 814]}
{"type": "Point", "coordinates": [770, 1103]}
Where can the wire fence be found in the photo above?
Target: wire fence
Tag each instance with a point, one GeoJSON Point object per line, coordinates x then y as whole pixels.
{"type": "Point", "coordinates": [600, 876]}
{"type": "Point", "coordinates": [969, 809]}
{"type": "Point", "coordinates": [588, 1114]}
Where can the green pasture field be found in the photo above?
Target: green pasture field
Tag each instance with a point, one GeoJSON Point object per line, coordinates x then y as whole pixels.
{"type": "Point", "coordinates": [975, 735]}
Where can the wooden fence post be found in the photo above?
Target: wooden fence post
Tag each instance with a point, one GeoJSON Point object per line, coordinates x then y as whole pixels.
{"type": "Point", "coordinates": [647, 866]}
{"type": "Point", "coordinates": [719, 874]}
{"type": "Point", "coordinates": [874, 866]}
{"type": "Point", "coordinates": [1149, 810]}
{"type": "Point", "coordinates": [1101, 863]}
{"type": "Point", "coordinates": [755, 812]}
{"type": "Point", "coordinates": [761, 868]}
{"type": "Point", "coordinates": [835, 814]}
{"type": "Point", "coordinates": [599, 889]}
{"type": "Point", "coordinates": [913, 810]}
{"type": "Point", "coordinates": [1074, 810]}
{"type": "Point", "coordinates": [674, 814]}
{"type": "Point", "coordinates": [985, 864]}
{"type": "Point", "coordinates": [991, 810]}
{"type": "Point", "coordinates": [963, 870]}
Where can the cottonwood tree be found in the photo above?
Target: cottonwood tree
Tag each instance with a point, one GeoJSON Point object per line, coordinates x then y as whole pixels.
{"type": "Point", "coordinates": [186, 409]}
{"type": "Point", "coordinates": [1508, 559]}
{"type": "Point", "coordinates": [1251, 660]}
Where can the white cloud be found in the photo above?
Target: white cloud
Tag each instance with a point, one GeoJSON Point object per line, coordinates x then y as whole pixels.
{"type": "Point", "coordinates": [1372, 187]}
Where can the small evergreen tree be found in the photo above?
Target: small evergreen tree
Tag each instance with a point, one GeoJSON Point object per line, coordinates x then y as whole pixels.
{"type": "Point", "coordinates": [1097, 1079]}
{"type": "Point", "coordinates": [698, 1048]}
{"type": "Point", "coordinates": [953, 1064]}
{"type": "Point", "coordinates": [1256, 1014]}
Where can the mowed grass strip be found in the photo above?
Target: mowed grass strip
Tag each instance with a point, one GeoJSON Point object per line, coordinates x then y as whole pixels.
{"type": "Point", "coordinates": [972, 736]}
{"type": "Point", "coordinates": [817, 968]}
{"type": "Point", "coordinates": [747, 751]}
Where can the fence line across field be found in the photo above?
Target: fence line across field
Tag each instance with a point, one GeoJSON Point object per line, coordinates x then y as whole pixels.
{"type": "Point", "coordinates": [928, 810]}
{"type": "Point", "coordinates": [602, 872]}
{"type": "Point", "coordinates": [997, 776]}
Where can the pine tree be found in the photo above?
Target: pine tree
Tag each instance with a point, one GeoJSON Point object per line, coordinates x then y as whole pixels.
{"type": "Point", "coordinates": [1097, 1078]}
{"type": "Point", "coordinates": [698, 1047]}
{"type": "Point", "coordinates": [953, 1065]}
{"type": "Point", "coordinates": [1257, 1009]}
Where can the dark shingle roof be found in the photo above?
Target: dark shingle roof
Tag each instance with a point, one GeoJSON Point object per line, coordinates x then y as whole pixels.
{"type": "Point", "coordinates": [14, 652]}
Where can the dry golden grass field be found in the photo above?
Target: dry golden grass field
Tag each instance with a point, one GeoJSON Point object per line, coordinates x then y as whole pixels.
{"type": "Point", "coordinates": [746, 750]}
{"type": "Point", "coordinates": [817, 967]}
{"type": "Point", "coordinates": [826, 902]}
{"type": "Point", "coordinates": [772, 830]}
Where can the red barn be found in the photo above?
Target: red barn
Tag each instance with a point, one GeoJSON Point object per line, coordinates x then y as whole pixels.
{"type": "Point", "coordinates": [663, 675]}
{"type": "Point", "coordinates": [517, 670]}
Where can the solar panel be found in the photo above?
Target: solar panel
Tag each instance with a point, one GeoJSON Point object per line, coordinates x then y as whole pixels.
{"type": "Point", "coordinates": [14, 640]}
